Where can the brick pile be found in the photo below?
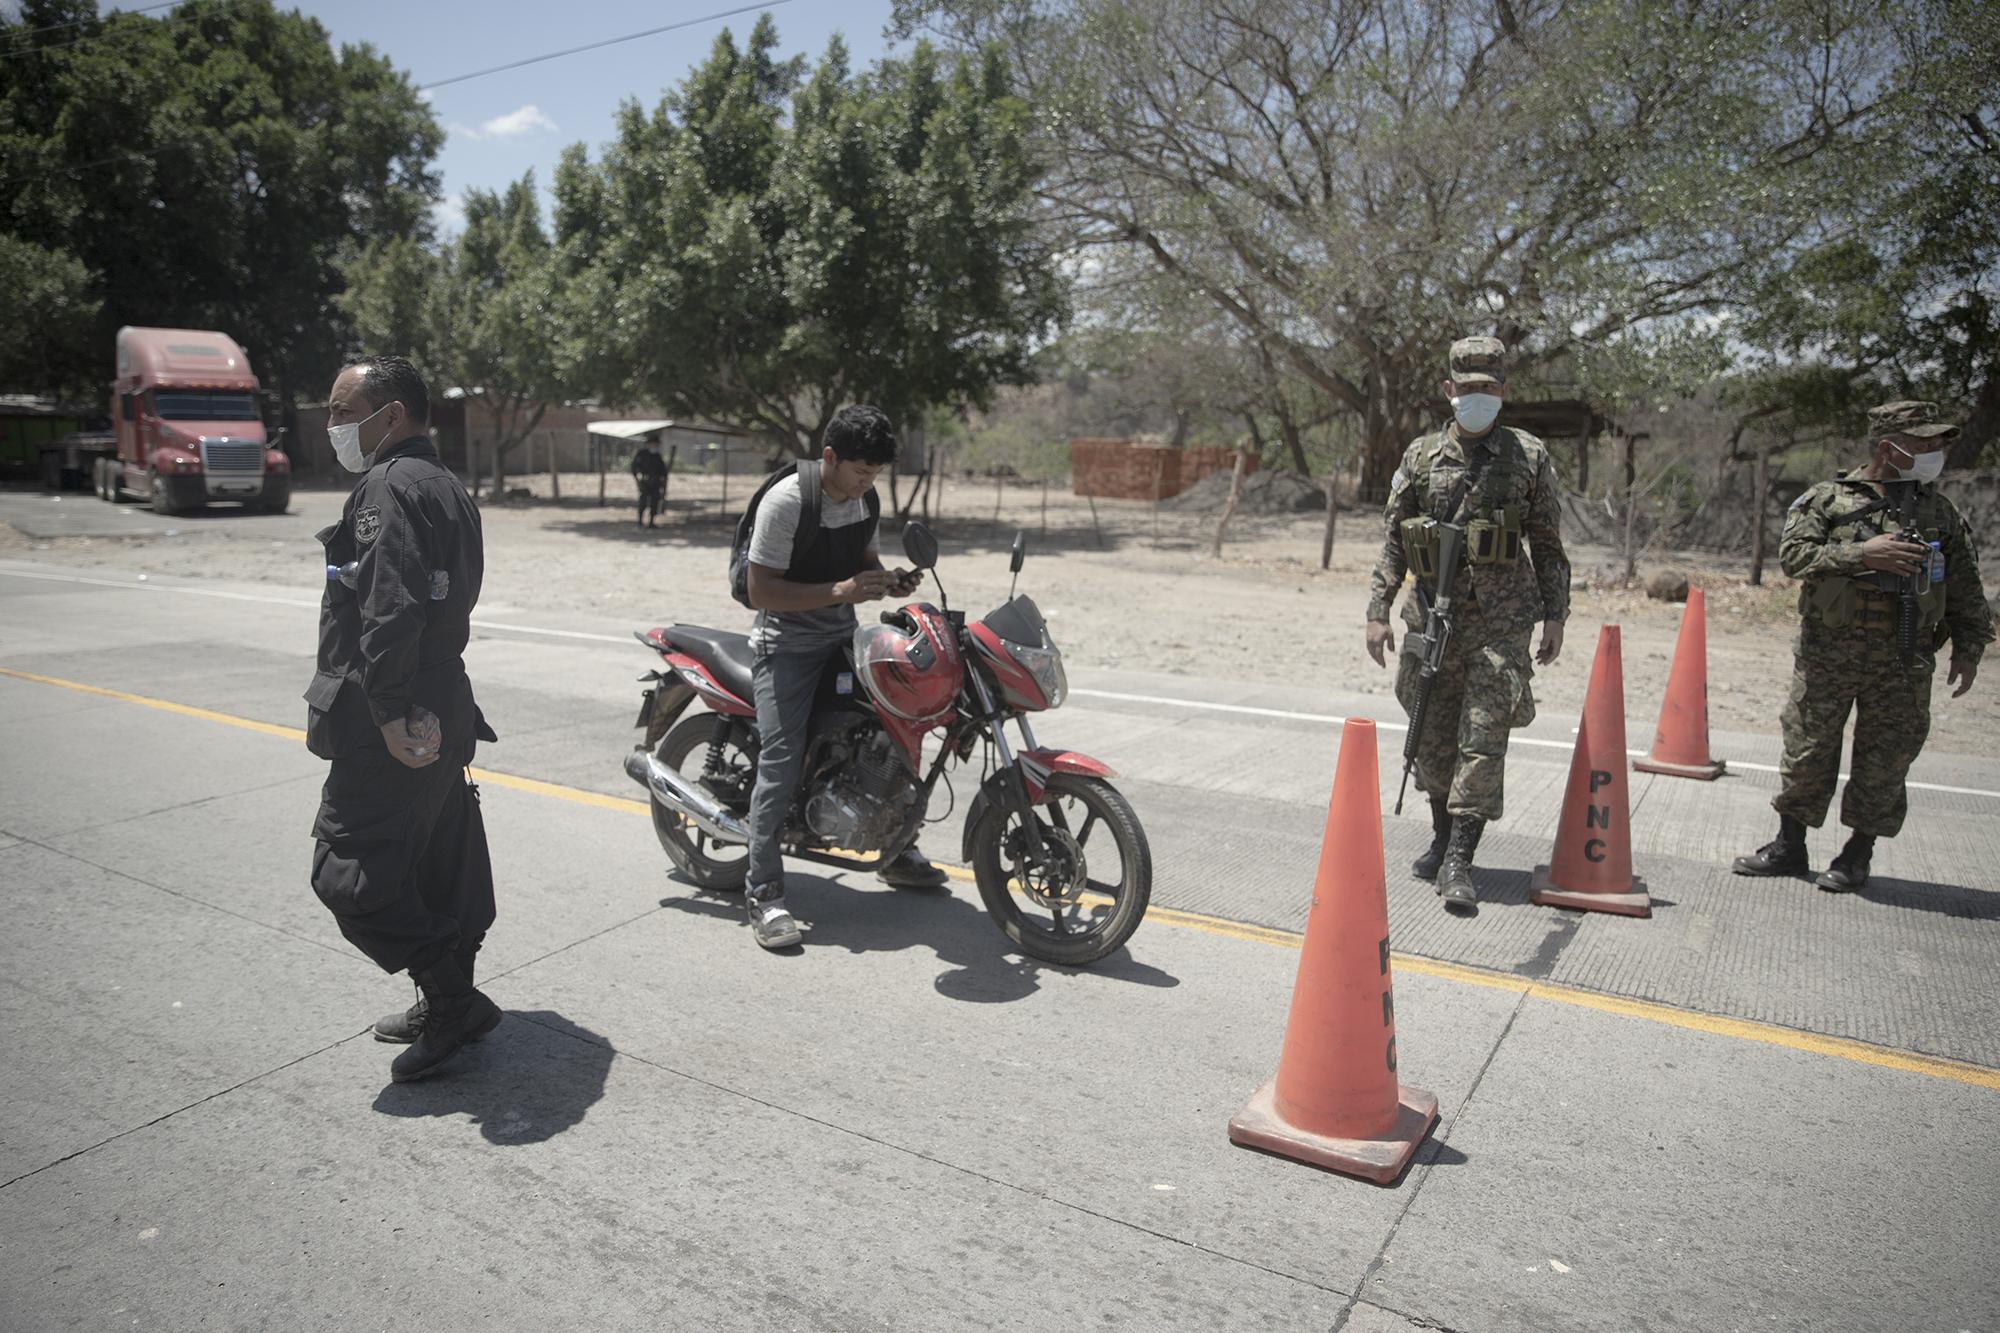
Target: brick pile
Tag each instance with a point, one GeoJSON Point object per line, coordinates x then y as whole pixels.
{"type": "Point", "coordinates": [1139, 470]}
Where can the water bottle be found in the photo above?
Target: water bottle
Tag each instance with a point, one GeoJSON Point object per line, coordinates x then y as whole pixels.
{"type": "Point", "coordinates": [348, 574]}
{"type": "Point", "coordinates": [1937, 562]}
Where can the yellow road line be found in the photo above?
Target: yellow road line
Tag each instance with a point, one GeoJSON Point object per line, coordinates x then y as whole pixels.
{"type": "Point", "coordinates": [1742, 1029]}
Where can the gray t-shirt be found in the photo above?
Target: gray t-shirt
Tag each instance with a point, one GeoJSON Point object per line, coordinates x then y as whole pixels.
{"type": "Point", "coordinates": [771, 546]}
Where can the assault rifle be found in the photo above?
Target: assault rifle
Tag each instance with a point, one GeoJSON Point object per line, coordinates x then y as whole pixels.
{"type": "Point", "coordinates": [1436, 638]}
{"type": "Point", "coordinates": [1906, 587]}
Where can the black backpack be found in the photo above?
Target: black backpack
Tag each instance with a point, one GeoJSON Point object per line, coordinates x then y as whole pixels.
{"type": "Point", "coordinates": [811, 494]}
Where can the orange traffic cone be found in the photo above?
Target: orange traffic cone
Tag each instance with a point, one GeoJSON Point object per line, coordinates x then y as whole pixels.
{"type": "Point", "coordinates": [1680, 746]}
{"type": "Point", "coordinates": [1592, 865]}
{"type": "Point", "coordinates": [1335, 1101]}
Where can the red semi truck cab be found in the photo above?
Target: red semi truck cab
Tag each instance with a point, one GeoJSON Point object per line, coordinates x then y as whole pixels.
{"type": "Point", "coordinates": [184, 409]}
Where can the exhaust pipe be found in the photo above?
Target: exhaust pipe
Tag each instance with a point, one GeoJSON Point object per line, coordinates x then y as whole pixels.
{"type": "Point", "coordinates": [675, 792]}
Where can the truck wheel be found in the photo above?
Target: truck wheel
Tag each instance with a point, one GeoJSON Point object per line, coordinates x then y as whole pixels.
{"type": "Point", "coordinates": [162, 502]}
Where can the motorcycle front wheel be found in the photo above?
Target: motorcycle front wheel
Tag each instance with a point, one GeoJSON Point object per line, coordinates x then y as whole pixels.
{"type": "Point", "coordinates": [1089, 894]}
{"type": "Point", "coordinates": [716, 866]}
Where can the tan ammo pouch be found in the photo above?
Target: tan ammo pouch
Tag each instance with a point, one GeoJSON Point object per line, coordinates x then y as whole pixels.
{"type": "Point", "coordinates": [1862, 603]}
{"type": "Point", "coordinates": [1420, 546]}
{"type": "Point", "coordinates": [1494, 538]}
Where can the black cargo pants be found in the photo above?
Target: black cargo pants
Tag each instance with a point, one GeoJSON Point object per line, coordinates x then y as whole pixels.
{"type": "Point", "coordinates": [401, 861]}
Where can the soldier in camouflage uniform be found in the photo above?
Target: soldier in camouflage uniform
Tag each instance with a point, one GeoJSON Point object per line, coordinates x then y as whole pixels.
{"type": "Point", "coordinates": [1498, 482]}
{"type": "Point", "coordinates": [1841, 538]}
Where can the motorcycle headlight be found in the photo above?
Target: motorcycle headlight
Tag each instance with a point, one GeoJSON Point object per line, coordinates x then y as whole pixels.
{"type": "Point", "coordinates": [1045, 665]}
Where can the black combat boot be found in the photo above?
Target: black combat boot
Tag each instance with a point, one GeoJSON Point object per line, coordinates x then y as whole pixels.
{"type": "Point", "coordinates": [1426, 866]}
{"type": "Point", "coordinates": [403, 1026]}
{"type": "Point", "coordinates": [1849, 870]}
{"type": "Point", "coordinates": [1455, 874]}
{"type": "Point", "coordinates": [454, 1014]}
{"type": "Point", "coordinates": [1785, 856]}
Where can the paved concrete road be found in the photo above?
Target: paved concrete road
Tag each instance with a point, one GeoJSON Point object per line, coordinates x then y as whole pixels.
{"type": "Point", "coordinates": [906, 1126]}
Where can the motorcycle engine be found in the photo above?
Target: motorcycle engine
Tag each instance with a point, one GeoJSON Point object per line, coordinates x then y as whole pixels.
{"type": "Point", "coordinates": [864, 795]}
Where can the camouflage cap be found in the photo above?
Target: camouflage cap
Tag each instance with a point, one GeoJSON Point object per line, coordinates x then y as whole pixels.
{"type": "Point", "coordinates": [1478, 361]}
{"type": "Point", "coordinates": [1908, 418]}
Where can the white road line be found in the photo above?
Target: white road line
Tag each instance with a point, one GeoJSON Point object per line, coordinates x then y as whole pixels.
{"type": "Point", "coordinates": [1334, 719]}
{"type": "Point", "coordinates": [1198, 705]}
{"type": "Point", "coordinates": [302, 603]}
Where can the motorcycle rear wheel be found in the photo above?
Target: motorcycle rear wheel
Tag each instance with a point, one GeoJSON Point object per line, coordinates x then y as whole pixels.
{"type": "Point", "coordinates": [717, 867]}
{"type": "Point", "coordinates": [1072, 920]}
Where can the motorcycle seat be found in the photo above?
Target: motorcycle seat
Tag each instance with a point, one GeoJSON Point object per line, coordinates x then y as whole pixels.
{"type": "Point", "coordinates": [726, 655]}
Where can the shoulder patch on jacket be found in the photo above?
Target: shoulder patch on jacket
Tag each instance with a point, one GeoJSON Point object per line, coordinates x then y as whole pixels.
{"type": "Point", "coordinates": [367, 523]}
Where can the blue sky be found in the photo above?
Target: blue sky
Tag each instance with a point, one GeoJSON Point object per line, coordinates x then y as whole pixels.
{"type": "Point", "coordinates": [503, 124]}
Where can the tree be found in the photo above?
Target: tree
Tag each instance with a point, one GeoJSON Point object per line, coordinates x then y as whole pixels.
{"type": "Point", "coordinates": [1356, 183]}
{"type": "Point", "coordinates": [50, 306]}
{"type": "Point", "coordinates": [1894, 292]}
{"type": "Point", "coordinates": [476, 312]}
{"type": "Point", "coordinates": [209, 168]}
{"type": "Point", "coordinates": [767, 246]}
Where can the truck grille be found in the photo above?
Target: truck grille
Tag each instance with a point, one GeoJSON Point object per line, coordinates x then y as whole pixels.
{"type": "Point", "coordinates": [241, 456]}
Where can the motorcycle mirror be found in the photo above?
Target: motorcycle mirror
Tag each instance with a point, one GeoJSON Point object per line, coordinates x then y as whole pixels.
{"type": "Point", "coordinates": [920, 545]}
{"type": "Point", "coordinates": [1020, 555]}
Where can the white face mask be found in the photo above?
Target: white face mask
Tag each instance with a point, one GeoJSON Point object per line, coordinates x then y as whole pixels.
{"type": "Point", "coordinates": [1475, 411]}
{"type": "Point", "coordinates": [1923, 467]}
{"type": "Point", "coordinates": [347, 441]}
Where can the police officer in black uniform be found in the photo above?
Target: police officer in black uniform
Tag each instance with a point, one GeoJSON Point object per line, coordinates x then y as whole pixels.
{"type": "Point", "coordinates": [401, 858]}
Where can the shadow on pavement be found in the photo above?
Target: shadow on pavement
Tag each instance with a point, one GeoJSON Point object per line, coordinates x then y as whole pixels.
{"type": "Point", "coordinates": [1944, 899]}
{"type": "Point", "coordinates": [984, 969]}
{"type": "Point", "coordinates": [537, 1075]}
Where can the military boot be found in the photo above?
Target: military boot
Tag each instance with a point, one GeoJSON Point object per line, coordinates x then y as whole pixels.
{"type": "Point", "coordinates": [1785, 856]}
{"type": "Point", "coordinates": [403, 1026]}
{"type": "Point", "coordinates": [1426, 866]}
{"type": "Point", "coordinates": [1849, 870]}
{"type": "Point", "coordinates": [1455, 873]}
{"type": "Point", "coordinates": [454, 1014]}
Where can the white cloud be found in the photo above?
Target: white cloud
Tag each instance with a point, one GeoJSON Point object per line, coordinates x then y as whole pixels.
{"type": "Point", "coordinates": [529, 119]}
{"type": "Point", "coordinates": [448, 214]}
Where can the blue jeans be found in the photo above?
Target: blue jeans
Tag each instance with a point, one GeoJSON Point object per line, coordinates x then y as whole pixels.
{"type": "Point", "coordinates": [786, 682]}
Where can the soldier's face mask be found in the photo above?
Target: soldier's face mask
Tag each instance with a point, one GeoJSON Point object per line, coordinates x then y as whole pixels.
{"type": "Point", "coordinates": [1476, 412]}
{"type": "Point", "coordinates": [347, 441]}
{"type": "Point", "coordinates": [1922, 467]}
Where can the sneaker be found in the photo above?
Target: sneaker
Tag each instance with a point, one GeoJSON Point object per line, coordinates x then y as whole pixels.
{"type": "Point", "coordinates": [771, 923]}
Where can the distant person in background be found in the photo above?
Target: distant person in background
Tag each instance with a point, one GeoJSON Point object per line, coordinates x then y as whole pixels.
{"type": "Point", "coordinates": [400, 856]}
{"type": "Point", "coordinates": [651, 471]}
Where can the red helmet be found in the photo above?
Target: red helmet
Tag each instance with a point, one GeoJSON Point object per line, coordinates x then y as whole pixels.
{"type": "Point", "coordinates": [909, 669]}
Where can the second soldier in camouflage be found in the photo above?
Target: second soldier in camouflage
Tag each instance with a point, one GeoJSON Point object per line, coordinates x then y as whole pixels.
{"type": "Point", "coordinates": [1845, 543]}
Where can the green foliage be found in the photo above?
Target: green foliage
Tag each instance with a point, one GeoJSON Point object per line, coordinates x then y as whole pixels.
{"type": "Point", "coordinates": [770, 243]}
{"type": "Point", "coordinates": [207, 168]}
{"type": "Point", "coordinates": [475, 312]}
{"type": "Point", "coordinates": [50, 305]}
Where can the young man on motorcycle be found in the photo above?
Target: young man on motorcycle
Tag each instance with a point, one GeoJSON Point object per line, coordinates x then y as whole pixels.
{"type": "Point", "coordinates": [805, 619]}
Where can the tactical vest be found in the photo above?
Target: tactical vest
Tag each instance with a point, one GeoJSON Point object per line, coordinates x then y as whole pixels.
{"type": "Point", "coordinates": [1867, 601]}
{"type": "Point", "coordinates": [1492, 532]}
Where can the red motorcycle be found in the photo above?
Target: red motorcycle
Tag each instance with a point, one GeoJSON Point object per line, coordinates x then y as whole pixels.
{"type": "Point", "coordinates": [1061, 862]}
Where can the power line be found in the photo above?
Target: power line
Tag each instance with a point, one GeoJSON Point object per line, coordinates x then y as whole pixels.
{"type": "Point", "coordinates": [130, 154]}
{"type": "Point", "coordinates": [31, 49]}
{"type": "Point", "coordinates": [609, 41]}
{"type": "Point", "coordinates": [77, 23]}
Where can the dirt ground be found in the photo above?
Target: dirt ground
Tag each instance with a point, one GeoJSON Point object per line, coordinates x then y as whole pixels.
{"type": "Point", "coordinates": [1129, 587]}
